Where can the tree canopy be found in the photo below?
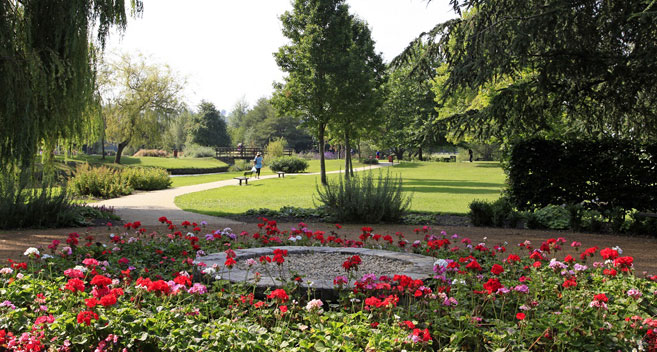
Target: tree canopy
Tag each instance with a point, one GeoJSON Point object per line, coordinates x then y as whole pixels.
{"type": "Point", "coordinates": [208, 128]}
{"type": "Point", "coordinates": [585, 66]}
{"type": "Point", "coordinates": [47, 69]}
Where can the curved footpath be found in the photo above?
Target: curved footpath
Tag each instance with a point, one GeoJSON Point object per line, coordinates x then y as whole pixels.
{"type": "Point", "coordinates": [147, 207]}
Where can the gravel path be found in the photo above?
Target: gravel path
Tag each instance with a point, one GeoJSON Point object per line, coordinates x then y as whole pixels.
{"type": "Point", "coordinates": [147, 207]}
{"type": "Point", "coordinates": [330, 266]}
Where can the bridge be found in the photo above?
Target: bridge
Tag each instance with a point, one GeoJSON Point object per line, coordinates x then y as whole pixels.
{"type": "Point", "coordinates": [229, 154]}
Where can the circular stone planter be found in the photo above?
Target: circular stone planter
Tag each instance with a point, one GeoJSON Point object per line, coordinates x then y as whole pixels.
{"type": "Point", "coordinates": [414, 265]}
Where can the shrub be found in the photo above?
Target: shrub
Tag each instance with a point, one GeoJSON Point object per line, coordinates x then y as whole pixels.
{"type": "Point", "coordinates": [370, 161]}
{"type": "Point", "coordinates": [22, 205]}
{"type": "Point", "coordinates": [152, 152]}
{"type": "Point", "coordinates": [102, 182]}
{"type": "Point", "coordinates": [481, 213]}
{"type": "Point", "coordinates": [553, 217]}
{"type": "Point", "coordinates": [502, 211]}
{"type": "Point", "coordinates": [290, 164]}
{"type": "Point", "coordinates": [362, 198]}
{"type": "Point", "coordinates": [275, 148]}
{"type": "Point", "coordinates": [146, 179]}
{"type": "Point", "coordinates": [198, 151]}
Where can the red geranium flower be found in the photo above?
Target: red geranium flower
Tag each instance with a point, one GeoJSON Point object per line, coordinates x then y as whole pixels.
{"type": "Point", "coordinates": [609, 253]}
{"type": "Point", "coordinates": [279, 294]}
{"type": "Point", "coordinates": [86, 316]}
{"type": "Point", "coordinates": [601, 297]}
{"type": "Point", "coordinates": [108, 300]}
{"type": "Point", "coordinates": [474, 265]}
{"type": "Point", "coordinates": [75, 285]}
{"type": "Point", "coordinates": [520, 316]}
{"type": "Point", "coordinates": [492, 285]}
{"type": "Point", "coordinates": [100, 280]}
{"type": "Point", "coordinates": [497, 269]}
{"type": "Point", "coordinates": [230, 262]}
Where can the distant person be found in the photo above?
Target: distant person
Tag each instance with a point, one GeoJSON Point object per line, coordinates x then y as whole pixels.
{"type": "Point", "coordinates": [378, 155]}
{"type": "Point", "coordinates": [257, 162]}
{"type": "Point", "coordinates": [470, 152]}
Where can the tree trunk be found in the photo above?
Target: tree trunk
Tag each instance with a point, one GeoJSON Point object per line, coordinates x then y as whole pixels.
{"type": "Point", "coordinates": [119, 150]}
{"type": "Point", "coordinates": [102, 146]}
{"type": "Point", "coordinates": [419, 154]}
{"type": "Point", "coordinates": [322, 164]}
{"type": "Point", "coordinates": [347, 174]}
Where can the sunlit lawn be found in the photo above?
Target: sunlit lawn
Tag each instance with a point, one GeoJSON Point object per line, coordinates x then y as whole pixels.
{"type": "Point", "coordinates": [179, 181]}
{"type": "Point", "coordinates": [435, 187]}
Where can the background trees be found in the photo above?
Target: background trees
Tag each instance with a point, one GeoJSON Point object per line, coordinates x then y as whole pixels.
{"type": "Point", "coordinates": [143, 97]}
{"type": "Point", "coordinates": [208, 128]}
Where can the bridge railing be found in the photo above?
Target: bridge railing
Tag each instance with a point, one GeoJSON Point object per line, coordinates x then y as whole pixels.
{"type": "Point", "coordinates": [243, 152]}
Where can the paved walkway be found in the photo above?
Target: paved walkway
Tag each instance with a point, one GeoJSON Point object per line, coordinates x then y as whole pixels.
{"type": "Point", "coordinates": [147, 207]}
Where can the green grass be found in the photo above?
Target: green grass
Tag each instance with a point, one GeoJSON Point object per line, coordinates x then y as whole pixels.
{"type": "Point", "coordinates": [435, 187]}
{"type": "Point", "coordinates": [149, 161]}
{"type": "Point", "coordinates": [331, 165]}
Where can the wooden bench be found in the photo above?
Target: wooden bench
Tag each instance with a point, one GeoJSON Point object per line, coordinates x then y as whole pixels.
{"type": "Point", "coordinates": [280, 173]}
{"type": "Point", "coordinates": [244, 178]}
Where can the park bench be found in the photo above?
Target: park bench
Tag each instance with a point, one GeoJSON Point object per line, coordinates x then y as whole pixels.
{"type": "Point", "coordinates": [244, 178]}
{"type": "Point", "coordinates": [281, 173]}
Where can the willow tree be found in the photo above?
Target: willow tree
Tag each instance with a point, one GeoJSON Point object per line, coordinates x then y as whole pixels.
{"type": "Point", "coordinates": [141, 100]}
{"type": "Point", "coordinates": [47, 69]}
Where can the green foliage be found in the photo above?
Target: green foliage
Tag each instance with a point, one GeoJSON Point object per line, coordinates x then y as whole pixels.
{"type": "Point", "coordinates": [22, 205]}
{"type": "Point", "coordinates": [362, 198]}
{"type": "Point", "coordinates": [102, 182]}
{"type": "Point", "coordinates": [208, 128]}
{"type": "Point", "coordinates": [579, 67]}
{"type": "Point", "coordinates": [198, 151]}
{"type": "Point", "coordinates": [47, 70]}
{"type": "Point", "coordinates": [290, 164]}
{"type": "Point", "coordinates": [370, 161]}
{"type": "Point", "coordinates": [146, 179]}
{"type": "Point", "coordinates": [552, 217]}
{"type": "Point", "coordinates": [275, 148]}
{"type": "Point", "coordinates": [609, 175]}
{"type": "Point", "coordinates": [481, 213]}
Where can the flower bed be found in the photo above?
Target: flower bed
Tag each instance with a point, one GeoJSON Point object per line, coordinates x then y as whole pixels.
{"type": "Point", "coordinates": [146, 291]}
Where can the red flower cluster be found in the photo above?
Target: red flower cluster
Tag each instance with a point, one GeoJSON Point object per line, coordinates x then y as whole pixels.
{"type": "Point", "coordinates": [351, 262]}
{"type": "Point", "coordinates": [422, 335]}
{"type": "Point", "coordinates": [390, 301]}
{"type": "Point", "coordinates": [609, 253]}
{"type": "Point", "coordinates": [624, 263]}
{"type": "Point", "coordinates": [85, 317]}
{"type": "Point", "coordinates": [601, 297]}
{"type": "Point", "coordinates": [75, 285]}
{"type": "Point", "coordinates": [497, 269]}
{"type": "Point", "coordinates": [279, 255]}
{"type": "Point", "coordinates": [492, 285]}
{"type": "Point", "coordinates": [279, 294]}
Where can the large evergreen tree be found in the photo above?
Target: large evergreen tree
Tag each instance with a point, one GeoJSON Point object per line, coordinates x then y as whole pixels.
{"type": "Point", "coordinates": [47, 69]}
{"type": "Point", "coordinates": [586, 65]}
{"type": "Point", "coordinates": [208, 128]}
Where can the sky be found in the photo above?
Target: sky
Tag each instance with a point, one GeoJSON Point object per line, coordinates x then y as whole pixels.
{"type": "Point", "coordinates": [223, 49]}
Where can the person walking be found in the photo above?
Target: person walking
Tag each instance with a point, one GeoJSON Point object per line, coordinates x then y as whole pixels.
{"type": "Point", "coordinates": [257, 162]}
{"type": "Point", "coordinates": [470, 152]}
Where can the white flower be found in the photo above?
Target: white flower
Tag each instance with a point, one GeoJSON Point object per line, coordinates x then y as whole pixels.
{"type": "Point", "coordinates": [315, 305]}
{"type": "Point", "coordinates": [440, 262]}
{"type": "Point", "coordinates": [46, 256]}
{"type": "Point", "coordinates": [6, 271]}
{"type": "Point", "coordinates": [80, 268]}
{"type": "Point", "coordinates": [298, 237]}
{"type": "Point", "coordinates": [209, 271]}
{"type": "Point", "coordinates": [19, 276]}
{"type": "Point", "coordinates": [31, 251]}
{"type": "Point", "coordinates": [618, 249]}
{"type": "Point", "coordinates": [251, 262]}
{"type": "Point", "coordinates": [292, 238]}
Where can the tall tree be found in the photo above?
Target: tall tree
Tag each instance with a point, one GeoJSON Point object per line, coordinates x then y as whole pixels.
{"type": "Point", "coordinates": [588, 64]}
{"type": "Point", "coordinates": [208, 128]}
{"type": "Point", "coordinates": [143, 98]}
{"type": "Point", "coordinates": [357, 86]}
{"type": "Point", "coordinates": [47, 69]}
{"type": "Point", "coordinates": [317, 30]}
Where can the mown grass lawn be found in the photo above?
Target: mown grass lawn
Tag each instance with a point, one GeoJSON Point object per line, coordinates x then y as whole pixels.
{"type": "Point", "coordinates": [435, 187]}
{"type": "Point", "coordinates": [148, 161]}
{"type": "Point", "coordinates": [179, 181]}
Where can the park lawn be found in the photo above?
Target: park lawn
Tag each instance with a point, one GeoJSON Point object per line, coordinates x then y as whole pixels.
{"type": "Point", "coordinates": [435, 187]}
{"type": "Point", "coordinates": [180, 181]}
{"type": "Point", "coordinates": [149, 161]}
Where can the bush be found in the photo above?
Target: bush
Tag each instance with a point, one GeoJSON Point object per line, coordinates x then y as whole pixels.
{"type": "Point", "coordinates": [275, 148]}
{"type": "Point", "coordinates": [553, 217]}
{"type": "Point", "coordinates": [152, 152]}
{"type": "Point", "coordinates": [102, 182]}
{"type": "Point", "coordinates": [370, 161]}
{"type": "Point", "coordinates": [290, 164]}
{"type": "Point", "coordinates": [362, 198]}
{"type": "Point", "coordinates": [481, 213]}
{"type": "Point", "coordinates": [198, 151]}
{"type": "Point", "coordinates": [146, 179]}
{"type": "Point", "coordinates": [24, 206]}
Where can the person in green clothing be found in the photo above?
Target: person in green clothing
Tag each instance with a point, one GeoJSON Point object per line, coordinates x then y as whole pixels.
{"type": "Point", "coordinates": [258, 164]}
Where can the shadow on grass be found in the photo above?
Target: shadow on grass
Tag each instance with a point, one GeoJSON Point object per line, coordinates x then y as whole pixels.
{"type": "Point", "coordinates": [407, 165]}
{"type": "Point", "coordinates": [490, 165]}
{"type": "Point", "coordinates": [451, 186]}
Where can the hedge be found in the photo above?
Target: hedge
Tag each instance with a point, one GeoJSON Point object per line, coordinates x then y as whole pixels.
{"type": "Point", "coordinates": [605, 175]}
